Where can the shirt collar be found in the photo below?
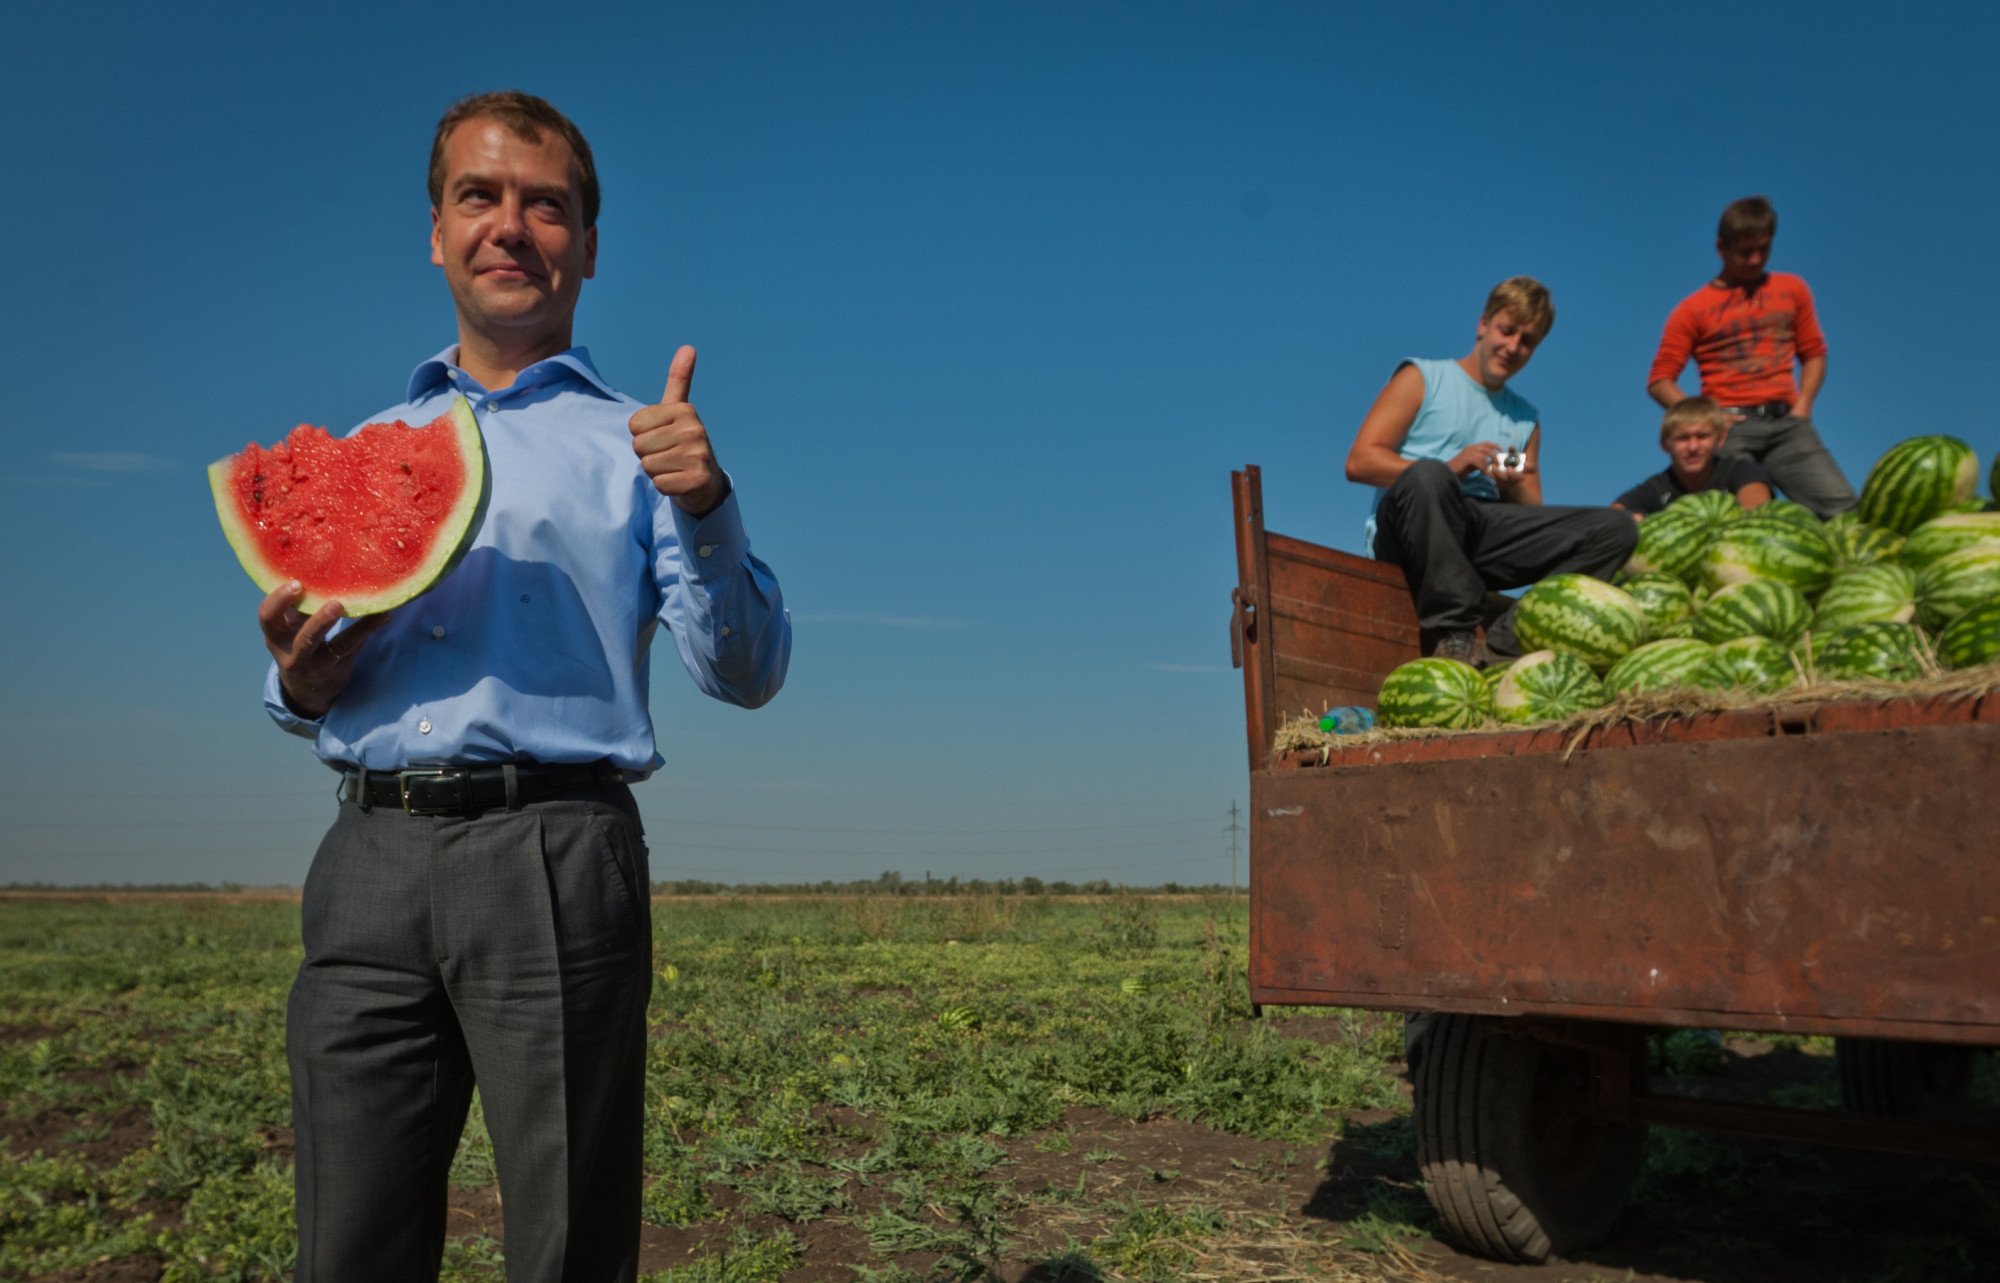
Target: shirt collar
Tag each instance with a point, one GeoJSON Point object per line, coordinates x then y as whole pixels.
{"type": "Point", "coordinates": [568, 366]}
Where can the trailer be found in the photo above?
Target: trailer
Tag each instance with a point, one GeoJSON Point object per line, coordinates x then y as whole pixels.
{"type": "Point", "coordinates": [1550, 899]}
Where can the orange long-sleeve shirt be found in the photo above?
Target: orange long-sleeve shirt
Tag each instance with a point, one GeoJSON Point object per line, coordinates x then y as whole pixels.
{"type": "Point", "coordinates": [1743, 341]}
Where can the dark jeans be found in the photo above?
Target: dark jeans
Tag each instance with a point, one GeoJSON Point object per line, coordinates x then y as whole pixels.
{"type": "Point", "coordinates": [1455, 548]}
{"type": "Point", "coordinates": [1800, 465]}
{"type": "Point", "coordinates": [510, 947]}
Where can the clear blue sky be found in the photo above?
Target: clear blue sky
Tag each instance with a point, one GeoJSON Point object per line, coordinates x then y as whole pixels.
{"type": "Point", "coordinates": [990, 299]}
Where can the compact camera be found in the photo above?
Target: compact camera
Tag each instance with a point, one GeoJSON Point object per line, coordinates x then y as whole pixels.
{"type": "Point", "coordinates": [1511, 460]}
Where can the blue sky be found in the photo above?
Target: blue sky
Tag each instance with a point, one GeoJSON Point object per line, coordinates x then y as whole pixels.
{"type": "Point", "coordinates": [990, 299]}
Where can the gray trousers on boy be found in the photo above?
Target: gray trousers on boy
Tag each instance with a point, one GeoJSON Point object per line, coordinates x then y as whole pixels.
{"type": "Point", "coordinates": [1801, 466]}
{"type": "Point", "coordinates": [511, 948]}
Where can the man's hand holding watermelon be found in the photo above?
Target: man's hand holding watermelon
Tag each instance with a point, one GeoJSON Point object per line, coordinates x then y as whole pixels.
{"type": "Point", "coordinates": [672, 444]}
{"type": "Point", "coordinates": [313, 666]}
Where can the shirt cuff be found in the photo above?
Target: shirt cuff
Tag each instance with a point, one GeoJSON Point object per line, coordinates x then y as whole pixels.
{"type": "Point", "coordinates": [716, 544]}
{"type": "Point", "coordinates": [281, 712]}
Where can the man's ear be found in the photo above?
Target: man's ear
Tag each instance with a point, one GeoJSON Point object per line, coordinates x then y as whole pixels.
{"type": "Point", "coordinates": [437, 245]}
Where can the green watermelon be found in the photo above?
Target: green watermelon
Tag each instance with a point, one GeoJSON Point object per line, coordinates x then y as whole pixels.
{"type": "Point", "coordinates": [1666, 602]}
{"type": "Point", "coordinates": [1882, 591]}
{"type": "Point", "coordinates": [1586, 617]}
{"type": "Point", "coordinates": [1777, 548]}
{"type": "Point", "coordinates": [1432, 692]}
{"type": "Point", "coordinates": [1787, 510]}
{"type": "Point", "coordinates": [1948, 532]}
{"type": "Point", "coordinates": [1971, 639]}
{"type": "Point", "coordinates": [1666, 665]}
{"type": "Point", "coordinates": [370, 520]}
{"type": "Point", "coordinates": [1956, 582]}
{"type": "Point", "coordinates": [1757, 608]}
{"type": "Point", "coordinates": [1856, 543]}
{"type": "Point", "coordinates": [1714, 507]}
{"type": "Point", "coordinates": [1671, 543]}
{"type": "Point", "coordinates": [1916, 480]}
{"type": "Point", "coordinates": [1882, 651]}
{"type": "Point", "coordinates": [1546, 686]}
{"type": "Point", "coordinates": [1756, 664]}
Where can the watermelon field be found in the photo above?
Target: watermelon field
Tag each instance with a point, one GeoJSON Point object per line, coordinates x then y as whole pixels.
{"type": "Point", "coordinates": [1027, 1088]}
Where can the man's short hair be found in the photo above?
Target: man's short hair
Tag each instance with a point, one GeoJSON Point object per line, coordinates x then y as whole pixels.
{"type": "Point", "coordinates": [1689, 411]}
{"type": "Point", "coordinates": [525, 116]}
{"type": "Point", "coordinates": [1526, 300]}
{"type": "Point", "coordinates": [1751, 216]}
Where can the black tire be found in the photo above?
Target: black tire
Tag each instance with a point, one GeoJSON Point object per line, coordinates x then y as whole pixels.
{"type": "Point", "coordinates": [1904, 1079]}
{"type": "Point", "coordinates": [1514, 1164]}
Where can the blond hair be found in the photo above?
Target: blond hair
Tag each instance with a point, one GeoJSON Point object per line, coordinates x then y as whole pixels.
{"type": "Point", "coordinates": [1689, 412]}
{"type": "Point", "coordinates": [1526, 300]}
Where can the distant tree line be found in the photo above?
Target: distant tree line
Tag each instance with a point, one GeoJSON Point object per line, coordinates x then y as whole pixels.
{"type": "Point", "coordinates": [893, 883]}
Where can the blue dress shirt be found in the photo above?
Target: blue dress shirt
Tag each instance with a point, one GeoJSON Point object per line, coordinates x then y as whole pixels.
{"type": "Point", "coordinates": [535, 646]}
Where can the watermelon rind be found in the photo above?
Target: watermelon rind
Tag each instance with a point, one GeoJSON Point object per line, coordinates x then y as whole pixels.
{"type": "Point", "coordinates": [1915, 480]}
{"type": "Point", "coordinates": [1883, 651]}
{"type": "Point", "coordinates": [1666, 602]}
{"type": "Point", "coordinates": [452, 537]}
{"type": "Point", "coordinates": [1756, 664]}
{"type": "Point", "coordinates": [1546, 686]}
{"type": "Point", "coordinates": [1885, 591]}
{"type": "Point", "coordinates": [1972, 639]}
{"type": "Point", "coordinates": [1856, 543]}
{"type": "Point", "coordinates": [1947, 533]}
{"type": "Point", "coordinates": [1434, 692]}
{"type": "Point", "coordinates": [1671, 543]}
{"type": "Point", "coordinates": [1956, 582]}
{"type": "Point", "coordinates": [1715, 507]}
{"type": "Point", "coordinates": [1758, 608]}
{"type": "Point", "coordinates": [1776, 548]}
{"type": "Point", "coordinates": [1595, 621]}
{"type": "Point", "coordinates": [1668, 664]}
{"type": "Point", "coordinates": [1787, 510]}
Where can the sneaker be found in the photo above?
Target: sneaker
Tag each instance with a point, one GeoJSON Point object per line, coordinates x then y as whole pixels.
{"type": "Point", "coordinates": [1462, 646]}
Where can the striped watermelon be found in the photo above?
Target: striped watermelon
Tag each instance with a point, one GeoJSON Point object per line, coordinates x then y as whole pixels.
{"type": "Point", "coordinates": [1665, 601]}
{"type": "Point", "coordinates": [1882, 591]}
{"type": "Point", "coordinates": [1432, 692]}
{"type": "Point", "coordinates": [1757, 608]}
{"type": "Point", "coordinates": [1546, 686]}
{"type": "Point", "coordinates": [1756, 664]}
{"type": "Point", "coordinates": [1917, 479]}
{"type": "Point", "coordinates": [1778, 548]}
{"type": "Point", "coordinates": [1971, 639]}
{"type": "Point", "coordinates": [1787, 510]}
{"type": "Point", "coordinates": [1666, 665]}
{"type": "Point", "coordinates": [1587, 617]}
{"type": "Point", "coordinates": [1856, 543]}
{"type": "Point", "coordinates": [1671, 543]}
{"type": "Point", "coordinates": [1956, 582]}
{"type": "Point", "coordinates": [1948, 533]}
{"type": "Point", "coordinates": [1882, 651]}
{"type": "Point", "coordinates": [1715, 507]}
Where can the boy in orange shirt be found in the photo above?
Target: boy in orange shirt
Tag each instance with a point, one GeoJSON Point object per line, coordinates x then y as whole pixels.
{"type": "Point", "coordinates": [1744, 330]}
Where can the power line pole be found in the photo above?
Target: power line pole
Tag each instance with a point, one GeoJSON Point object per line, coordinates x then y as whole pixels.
{"type": "Point", "coordinates": [1232, 847]}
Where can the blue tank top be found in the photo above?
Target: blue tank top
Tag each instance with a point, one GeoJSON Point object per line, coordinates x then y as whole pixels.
{"type": "Point", "coordinates": [1457, 411]}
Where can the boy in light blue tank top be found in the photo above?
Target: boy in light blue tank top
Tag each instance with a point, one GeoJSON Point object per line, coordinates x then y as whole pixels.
{"type": "Point", "coordinates": [1454, 455]}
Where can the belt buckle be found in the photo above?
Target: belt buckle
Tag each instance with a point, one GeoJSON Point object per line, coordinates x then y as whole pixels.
{"type": "Point", "coordinates": [440, 774]}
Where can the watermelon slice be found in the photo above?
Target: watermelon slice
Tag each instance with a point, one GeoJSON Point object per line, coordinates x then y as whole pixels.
{"type": "Point", "coordinates": [370, 520]}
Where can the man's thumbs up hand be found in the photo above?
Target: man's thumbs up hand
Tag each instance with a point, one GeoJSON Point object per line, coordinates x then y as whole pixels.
{"type": "Point", "coordinates": [672, 444]}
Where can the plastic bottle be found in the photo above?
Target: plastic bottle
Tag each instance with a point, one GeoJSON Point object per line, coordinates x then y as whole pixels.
{"type": "Point", "coordinates": [1347, 719]}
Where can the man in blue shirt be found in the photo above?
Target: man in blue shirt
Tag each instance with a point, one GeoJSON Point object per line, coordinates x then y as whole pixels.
{"type": "Point", "coordinates": [1455, 457]}
{"type": "Point", "coordinates": [480, 910]}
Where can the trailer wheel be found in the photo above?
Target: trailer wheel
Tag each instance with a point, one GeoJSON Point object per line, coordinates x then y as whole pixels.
{"type": "Point", "coordinates": [1903, 1079]}
{"type": "Point", "coordinates": [1514, 1162]}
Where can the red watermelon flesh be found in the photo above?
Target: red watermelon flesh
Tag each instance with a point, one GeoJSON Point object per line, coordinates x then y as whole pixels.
{"type": "Point", "coordinates": [370, 520]}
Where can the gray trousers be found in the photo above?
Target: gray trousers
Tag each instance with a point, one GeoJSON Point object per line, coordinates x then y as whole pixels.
{"type": "Point", "coordinates": [1454, 548]}
{"type": "Point", "coordinates": [510, 948]}
{"type": "Point", "coordinates": [1801, 466]}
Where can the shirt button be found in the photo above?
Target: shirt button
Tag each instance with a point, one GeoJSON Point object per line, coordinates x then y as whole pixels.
{"type": "Point", "coordinates": [424, 727]}
{"type": "Point", "coordinates": [725, 630]}
{"type": "Point", "coordinates": [438, 632]}
{"type": "Point", "coordinates": [706, 549]}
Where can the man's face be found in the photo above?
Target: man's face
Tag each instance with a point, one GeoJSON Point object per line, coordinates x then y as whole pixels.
{"type": "Point", "coordinates": [1503, 348]}
{"type": "Point", "coordinates": [1693, 447]}
{"type": "Point", "coordinates": [509, 233]}
{"type": "Point", "coordinates": [1745, 260]}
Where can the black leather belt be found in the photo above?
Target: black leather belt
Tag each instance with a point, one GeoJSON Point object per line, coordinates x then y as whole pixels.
{"type": "Point", "coordinates": [460, 790]}
{"type": "Point", "coordinates": [1768, 410]}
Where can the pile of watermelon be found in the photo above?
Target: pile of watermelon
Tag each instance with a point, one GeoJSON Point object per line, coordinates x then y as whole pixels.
{"type": "Point", "coordinates": [1715, 598]}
